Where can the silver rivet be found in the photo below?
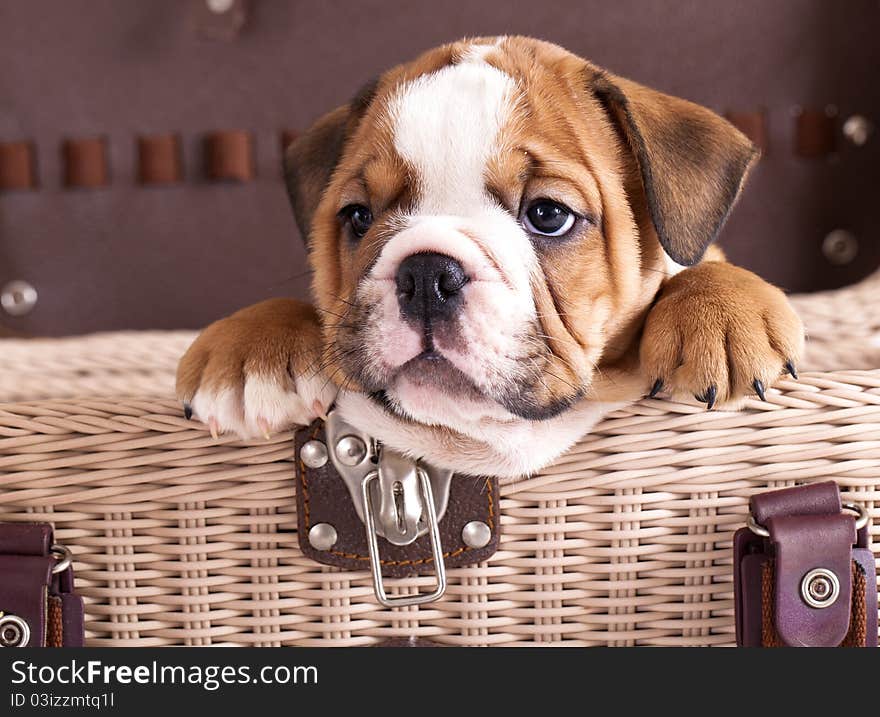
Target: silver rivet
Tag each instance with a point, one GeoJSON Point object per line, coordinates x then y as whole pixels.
{"type": "Point", "coordinates": [476, 534]}
{"type": "Point", "coordinates": [18, 298]}
{"type": "Point", "coordinates": [220, 6]}
{"type": "Point", "coordinates": [322, 536]}
{"type": "Point", "coordinates": [14, 632]}
{"type": "Point", "coordinates": [858, 129]}
{"type": "Point", "coordinates": [820, 588]}
{"type": "Point", "coordinates": [351, 450]}
{"type": "Point", "coordinates": [313, 454]}
{"type": "Point", "coordinates": [840, 247]}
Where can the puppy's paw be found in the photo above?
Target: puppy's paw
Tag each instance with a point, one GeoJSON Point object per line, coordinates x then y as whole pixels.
{"type": "Point", "coordinates": [719, 333]}
{"type": "Point", "coordinates": [257, 371]}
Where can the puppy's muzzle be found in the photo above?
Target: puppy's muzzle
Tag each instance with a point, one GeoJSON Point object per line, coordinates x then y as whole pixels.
{"type": "Point", "coordinates": [429, 287]}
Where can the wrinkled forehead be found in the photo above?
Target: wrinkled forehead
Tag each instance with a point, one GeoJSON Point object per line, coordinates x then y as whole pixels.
{"type": "Point", "coordinates": [446, 127]}
{"type": "Point", "coordinates": [442, 127]}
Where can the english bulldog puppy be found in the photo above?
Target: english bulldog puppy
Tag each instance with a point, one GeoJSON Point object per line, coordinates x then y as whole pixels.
{"type": "Point", "coordinates": [507, 243]}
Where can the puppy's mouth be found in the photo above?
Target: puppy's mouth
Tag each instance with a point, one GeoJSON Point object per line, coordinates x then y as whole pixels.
{"type": "Point", "coordinates": [431, 370]}
{"type": "Point", "coordinates": [429, 386]}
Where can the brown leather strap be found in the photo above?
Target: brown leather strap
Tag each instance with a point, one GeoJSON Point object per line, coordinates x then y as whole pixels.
{"type": "Point", "coordinates": [159, 159]}
{"type": "Point", "coordinates": [803, 573]}
{"type": "Point", "coordinates": [815, 133]}
{"type": "Point", "coordinates": [229, 156]}
{"type": "Point", "coordinates": [85, 163]}
{"type": "Point", "coordinates": [38, 606]}
{"type": "Point", "coordinates": [322, 497]}
{"type": "Point", "coordinates": [18, 166]}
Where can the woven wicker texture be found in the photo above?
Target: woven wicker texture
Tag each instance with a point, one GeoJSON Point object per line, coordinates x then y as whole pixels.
{"type": "Point", "coordinates": [843, 326]}
{"type": "Point", "coordinates": [625, 541]}
{"type": "Point", "coordinates": [843, 329]}
{"type": "Point", "coordinates": [124, 363]}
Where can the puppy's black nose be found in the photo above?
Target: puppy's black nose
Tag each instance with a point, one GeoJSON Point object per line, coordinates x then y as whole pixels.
{"type": "Point", "coordinates": [429, 286]}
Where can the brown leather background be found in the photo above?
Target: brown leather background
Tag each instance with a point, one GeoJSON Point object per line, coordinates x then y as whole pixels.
{"type": "Point", "coordinates": [126, 255]}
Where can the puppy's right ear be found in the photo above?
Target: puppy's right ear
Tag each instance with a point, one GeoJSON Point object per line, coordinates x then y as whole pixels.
{"type": "Point", "coordinates": [692, 162]}
{"type": "Point", "coordinates": [310, 159]}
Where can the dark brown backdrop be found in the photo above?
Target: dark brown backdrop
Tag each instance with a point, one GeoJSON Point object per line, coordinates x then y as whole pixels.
{"type": "Point", "coordinates": [171, 256]}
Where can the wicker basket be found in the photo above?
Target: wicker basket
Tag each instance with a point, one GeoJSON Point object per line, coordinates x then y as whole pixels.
{"type": "Point", "coordinates": [625, 541]}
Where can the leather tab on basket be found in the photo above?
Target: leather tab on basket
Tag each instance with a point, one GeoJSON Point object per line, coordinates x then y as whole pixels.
{"type": "Point", "coordinates": [17, 166]}
{"type": "Point", "coordinates": [815, 133]}
{"type": "Point", "coordinates": [814, 499]}
{"type": "Point", "coordinates": [322, 497]}
{"type": "Point", "coordinates": [229, 156]}
{"type": "Point", "coordinates": [85, 163]}
{"type": "Point", "coordinates": [803, 543]}
{"type": "Point", "coordinates": [38, 608]}
{"type": "Point", "coordinates": [159, 159]}
{"type": "Point", "coordinates": [811, 582]}
{"type": "Point", "coordinates": [858, 625]}
{"type": "Point", "coordinates": [753, 125]}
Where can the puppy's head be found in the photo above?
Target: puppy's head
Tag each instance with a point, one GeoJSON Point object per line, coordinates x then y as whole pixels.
{"type": "Point", "coordinates": [489, 223]}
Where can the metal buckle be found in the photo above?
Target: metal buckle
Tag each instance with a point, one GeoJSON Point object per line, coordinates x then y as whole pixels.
{"type": "Point", "coordinates": [859, 510]}
{"type": "Point", "coordinates": [355, 455]}
{"type": "Point", "coordinates": [411, 498]}
{"type": "Point", "coordinates": [427, 501]}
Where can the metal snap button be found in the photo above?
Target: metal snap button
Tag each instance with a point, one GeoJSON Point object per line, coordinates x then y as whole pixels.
{"type": "Point", "coordinates": [18, 298]}
{"type": "Point", "coordinates": [14, 632]}
{"type": "Point", "coordinates": [858, 129]}
{"type": "Point", "coordinates": [820, 588]}
{"type": "Point", "coordinates": [220, 6]}
{"type": "Point", "coordinates": [840, 247]}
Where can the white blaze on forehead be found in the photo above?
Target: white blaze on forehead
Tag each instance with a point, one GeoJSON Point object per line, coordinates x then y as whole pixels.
{"type": "Point", "coordinates": [446, 127]}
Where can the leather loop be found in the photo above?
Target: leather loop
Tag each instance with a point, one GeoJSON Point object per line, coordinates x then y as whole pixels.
{"type": "Point", "coordinates": [229, 155]}
{"type": "Point", "coordinates": [812, 581]}
{"type": "Point", "coordinates": [85, 163]}
{"type": "Point", "coordinates": [814, 499]}
{"type": "Point", "coordinates": [159, 159]}
{"type": "Point", "coordinates": [803, 543]}
{"type": "Point", "coordinates": [815, 133]}
{"type": "Point", "coordinates": [26, 539]}
{"type": "Point", "coordinates": [17, 166]}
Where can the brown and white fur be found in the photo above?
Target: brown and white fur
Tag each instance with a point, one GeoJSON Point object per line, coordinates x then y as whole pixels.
{"type": "Point", "coordinates": [551, 333]}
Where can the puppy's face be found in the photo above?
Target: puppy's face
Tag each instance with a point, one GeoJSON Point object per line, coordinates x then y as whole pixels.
{"type": "Point", "coordinates": [487, 225]}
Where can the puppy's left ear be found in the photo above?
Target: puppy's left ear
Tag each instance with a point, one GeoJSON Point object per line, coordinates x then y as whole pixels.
{"type": "Point", "coordinates": [310, 159]}
{"type": "Point", "coordinates": [693, 163]}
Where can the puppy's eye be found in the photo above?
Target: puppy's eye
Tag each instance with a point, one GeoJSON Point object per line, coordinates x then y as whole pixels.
{"type": "Point", "coordinates": [548, 218]}
{"type": "Point", "coordinates": [359, 217]}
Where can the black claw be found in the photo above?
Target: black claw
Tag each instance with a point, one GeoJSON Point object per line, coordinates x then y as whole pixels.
{"type": "Point", "coordinates": [759, 389]}
{"type": "Point", "coordinates": [709, 397]}
{"type": "Point", "coordinates": [789, 366]}
{"type": "Point", "coordinates": [187, 411]}
{"type": "Point", "coordinates": [656, 388]}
